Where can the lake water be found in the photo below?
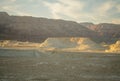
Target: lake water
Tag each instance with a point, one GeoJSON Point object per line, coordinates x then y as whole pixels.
{"type": "Point", "coordinates": [32, 65]}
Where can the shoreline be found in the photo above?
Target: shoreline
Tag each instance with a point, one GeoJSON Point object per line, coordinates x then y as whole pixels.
{"type": "Point", "coordinates": [56, 51]}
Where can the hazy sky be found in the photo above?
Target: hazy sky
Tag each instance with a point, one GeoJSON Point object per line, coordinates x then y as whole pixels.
{"type": "Point", "coordinates": [96, 11]}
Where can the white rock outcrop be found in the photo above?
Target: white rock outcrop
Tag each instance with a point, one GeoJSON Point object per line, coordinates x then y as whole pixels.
{"type": "Point", "coordinates": [71, 43]}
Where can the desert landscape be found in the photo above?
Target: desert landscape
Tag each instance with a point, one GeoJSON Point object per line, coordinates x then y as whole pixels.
{"type": "Point", "coordinates": [41, 49]}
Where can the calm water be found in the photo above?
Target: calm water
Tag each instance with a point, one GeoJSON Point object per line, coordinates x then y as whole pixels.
{"type": "Point", "coordinates": [31, 65]}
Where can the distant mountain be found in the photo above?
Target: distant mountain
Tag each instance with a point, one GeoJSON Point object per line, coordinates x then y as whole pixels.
{"type": "Point", "coordinates": [107, 31]}
{"type": "Point", "coordinates": [87, 24]}
{"type": "Point", "coordinates": [33, 29]}
{"type": "Point", "coordinates": [27, 28]}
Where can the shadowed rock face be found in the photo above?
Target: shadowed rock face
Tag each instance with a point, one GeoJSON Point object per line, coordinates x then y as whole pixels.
{"type": "Point", "coordinates": [108, 31]}
{"type": "Point", "coordinates": [26, 28]}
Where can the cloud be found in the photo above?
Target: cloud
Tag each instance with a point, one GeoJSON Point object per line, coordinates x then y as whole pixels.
{"type": "Point", "coordinates": [69, 8]}
{"type": "Point", "coordinates": [116, 21]}
{"type": "Point", "coordinates": [82, 10]}
{"type": "Point", "coordinates": [118, 7]}
{"type": "Point", "coordinates": [12, 0]}
{"type": "Point", "coordinates": [14, 9]}
{"type": "Point", "coordinates": [103, 8]}
{"type": "Point", "coordinates": [17, 8]}
{"type": "Point", "coordinates": [97, 11]}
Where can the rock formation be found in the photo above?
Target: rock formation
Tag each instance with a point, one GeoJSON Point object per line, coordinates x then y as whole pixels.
{"type": "Point", "coordinates": [108, 32]}
{"type": "Point", "coordinates": [114, 47]}
{"type": "Point", "coordinates": [74, 44]}
{"type": "Point", "coordinates": [27, 28]}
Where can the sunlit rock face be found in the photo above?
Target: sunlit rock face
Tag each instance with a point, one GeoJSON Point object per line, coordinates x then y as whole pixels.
{"type": "Point", "coordinates": [114, 47]}
{"type": "Point", "coordinates": [72, 44]}
{"type": "Point", "coordinates": [17, 44]}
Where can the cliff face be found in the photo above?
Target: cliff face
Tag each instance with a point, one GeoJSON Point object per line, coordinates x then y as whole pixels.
{"type": "Point", "coordinates": [27, 28]}
{"type": "Point", "coordinates": [108, 32]}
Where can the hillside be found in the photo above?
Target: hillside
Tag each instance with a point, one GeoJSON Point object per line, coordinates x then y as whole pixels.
{"type": "Point", "coordinates": [107, 31]}
{"type": "Point", "coordinates": [27, 28]}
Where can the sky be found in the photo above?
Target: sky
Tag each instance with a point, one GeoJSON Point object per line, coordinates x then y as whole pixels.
{"type": "Point", "coordinates": [96, 11]}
